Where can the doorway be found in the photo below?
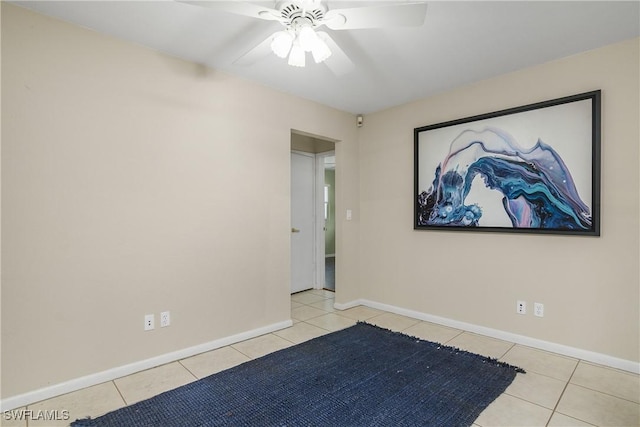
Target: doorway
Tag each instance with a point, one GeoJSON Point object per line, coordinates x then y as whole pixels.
{"type": "Point", "coordinates": [327, 164]}
{"type": "Point", "coordinates": [313, 195]}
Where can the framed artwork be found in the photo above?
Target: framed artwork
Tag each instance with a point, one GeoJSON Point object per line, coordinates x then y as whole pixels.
{"type": "Point", "coordinates": [529, 169]}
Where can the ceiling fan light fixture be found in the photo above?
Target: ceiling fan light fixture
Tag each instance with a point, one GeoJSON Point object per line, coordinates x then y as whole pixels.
{"type": "Point", "coordinates": [297, 55]}
{"type": "Point", "coordinates": [320, 51]}
{"type": "Point", "coordinates": [281, 43]}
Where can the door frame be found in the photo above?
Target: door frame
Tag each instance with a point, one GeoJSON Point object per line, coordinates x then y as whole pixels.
{"type": "Point", "coordinates": [319, 220]}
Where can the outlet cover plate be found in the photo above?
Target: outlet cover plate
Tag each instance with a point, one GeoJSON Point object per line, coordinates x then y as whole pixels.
{"type": "Point", "coordinates": [149, 322]}
{"type": "Point", "coordinates": [538, 309]}
{"type": "Point", "coordinates": [165, 319]}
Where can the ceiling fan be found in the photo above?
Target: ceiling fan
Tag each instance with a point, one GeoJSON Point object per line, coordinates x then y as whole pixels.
{"type": "Point", "coordinates": [302, 18]}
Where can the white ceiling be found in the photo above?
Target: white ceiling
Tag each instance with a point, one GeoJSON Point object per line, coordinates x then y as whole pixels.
{"type": "Point", "coordinates": [460, 42]}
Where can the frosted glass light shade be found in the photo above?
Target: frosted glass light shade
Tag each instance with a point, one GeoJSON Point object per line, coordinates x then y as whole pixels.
{"type": "Point", "coordinates": [307, 38]}
{"type": "Point", "coordinates": [320, 51]}
{"type": "Point", "coordinates": [297, 56]}
{"type": "Point", "coordinates": [281, 43]}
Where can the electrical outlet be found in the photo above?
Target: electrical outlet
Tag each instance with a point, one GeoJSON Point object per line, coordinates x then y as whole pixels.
{"type": "Point", "coordinates": [538, 309]}
{"type": "Point", "coordinates": [165, 319]}
{"type": "Point", "coordinates": [521, 307]}
{"type": "Point", "coordinates": [149, 322]}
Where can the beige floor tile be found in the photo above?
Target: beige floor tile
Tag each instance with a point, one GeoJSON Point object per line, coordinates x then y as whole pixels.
{"type": "Point", "coordinates": [89, 402]}
{"type": "Point", "coordinates": [607, 380]}
{"type": "Point", "coordinates": [479, 344]}
{"type": "Point", "coordinates": [296, 304]}
{"type": "Point", "coordinates": [535, 388]}
{"type": "Point", "coordinates": [262, 345]}
{"type": "Point", "coordinates": [332, 322]}
{"type": "Point", "coordinates": [598, 408]}
{"type": "Point", "coordinates": [560, 420]}
{"type": "Point", "coordinates": [432, 332]}
{"type": "Point", "coordinates": [326, 305]}
{"type": "Point", "coordinates": [306, 312]}
{"type": "Point", "coordinates": [14, 417]}
{"type": "Point", "coordinates": [392, 321]}
{"type": "Point", "coordinates": [360, 313]}
{"type": "Point", "coordinates": [146, 384]}
{"type": "Point", "coordinates": [541, 362]}
{"type": "Point", "coordinates": [306, 298]}
{"type": "Point", "coordinates": [301, 332]}
{"type": "Point", "coordinates": [509, 411]}
{"type": "Point", "coordinates": [211, 362]}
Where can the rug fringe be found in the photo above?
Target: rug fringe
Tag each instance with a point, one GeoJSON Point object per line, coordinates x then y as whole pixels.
{"type": "Point", "coordinates": [453, 349]}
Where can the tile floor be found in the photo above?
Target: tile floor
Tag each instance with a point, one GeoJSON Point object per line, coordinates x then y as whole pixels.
{"type": "Point", "coordinates": [556, 391]}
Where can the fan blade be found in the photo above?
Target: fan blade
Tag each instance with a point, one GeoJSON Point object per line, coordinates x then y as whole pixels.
{"type": "Point", "coordinates": [339, 63]}
{"type": "Point", "coordinates": [395, 15]}
{"type": "Point", "coordinates": [261, 51]}
{"type": "Point", "coordinates": [239, 8]}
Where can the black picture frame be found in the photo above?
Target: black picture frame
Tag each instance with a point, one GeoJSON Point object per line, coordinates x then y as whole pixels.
{"type": "Point", "coordinates": [528, 169]}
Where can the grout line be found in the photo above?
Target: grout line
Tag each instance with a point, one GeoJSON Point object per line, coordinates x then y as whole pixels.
{"type": "Point", "coordinates": [508, 350]}
{"type": "Point", "coordinates": [252, 358]}
{"type": "Point", "coordinates": [574, 418]}
{"type": "Point", "coordinates": [543, 374]}
{"type": "Point", "coordinates": [532, 403]}
{"type": "Point", "coordinates": [549, 420]}
{"type": "Point", "coordinates": [605, 393]}
{"type": "Point", "coordinates": [286, 339]}
{"type": "Point", "coordinates": [119, 392]}
{"type": "Point", "coordinates": [526, 401]}
{"type": "Point", "coordinates": [317, 326]}
{"type": "Point", "coordinates": [188, 370]}
{"type": "Point", "coordinates": [244, 354]}
{"type": "Point", "coordinates": [562, 394]}
{"type": "Point", "coordinates": [457, 335]}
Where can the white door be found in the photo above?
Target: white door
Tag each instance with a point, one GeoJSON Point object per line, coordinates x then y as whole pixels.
{"type": "Point", "coordinates": [302, 221]}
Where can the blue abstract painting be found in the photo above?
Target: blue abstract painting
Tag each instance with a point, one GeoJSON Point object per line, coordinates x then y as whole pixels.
{"type": "Point", "coordinates": [531, 169]}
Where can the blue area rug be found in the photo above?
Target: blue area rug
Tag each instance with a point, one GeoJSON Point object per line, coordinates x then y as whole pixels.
{"type": "Point", "coordinates": [360, 376]}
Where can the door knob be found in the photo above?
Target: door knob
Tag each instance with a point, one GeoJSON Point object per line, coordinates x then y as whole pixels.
{"type": "Point", "coordinates": [294, 230]}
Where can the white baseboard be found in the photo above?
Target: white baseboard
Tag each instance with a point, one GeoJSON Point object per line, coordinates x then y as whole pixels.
{"type": "Point", "coordinates": [348, 305]}
{"type": "Point", "coordinates": [122, 371]}
{"type": "Point", "coordinates": [586, 355]}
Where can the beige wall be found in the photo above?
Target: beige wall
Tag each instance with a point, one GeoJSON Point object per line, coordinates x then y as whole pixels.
{"type": "Point", "coordinates": [133, 183]}
{"type": "Point", "coordinates": [590, 286]}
